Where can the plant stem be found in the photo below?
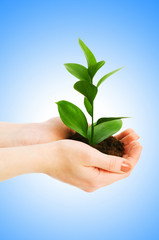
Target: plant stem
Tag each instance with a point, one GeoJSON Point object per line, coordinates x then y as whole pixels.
{"type": "Point", "coordinates": [92, 127]}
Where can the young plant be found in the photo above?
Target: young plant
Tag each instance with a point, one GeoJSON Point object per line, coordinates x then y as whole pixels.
{"type": "Point", "coordinates": [72, 116]}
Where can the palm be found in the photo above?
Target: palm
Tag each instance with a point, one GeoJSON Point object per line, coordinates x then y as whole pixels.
{"type": "Point", "coordinates": [92, 163]}
{"type": "Point", "coordinates": [132, 154]}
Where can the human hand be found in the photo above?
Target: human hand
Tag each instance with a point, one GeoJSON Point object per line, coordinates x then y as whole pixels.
{"type": "Point", "coordinates": [71, 161]}
{"type": "Point", "coordinates": [81, 165]}
{"type": "Point", "coordinates": [37, 133]}
{"type": "Point", "coordinates": [13, 135]}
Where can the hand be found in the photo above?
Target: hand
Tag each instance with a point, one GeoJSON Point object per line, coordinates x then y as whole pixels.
{"type": "Point", "coordinates": [12, 134]}
{"type": "Point", "coordinates": [37, 133]}
{"type": "Point", "coordinates": [80, 165]}
{"type": "Point", "coordinates": [70, 161]}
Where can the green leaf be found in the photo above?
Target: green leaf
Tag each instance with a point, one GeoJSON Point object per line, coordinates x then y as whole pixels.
{"type": "Point", "coordinates": [93, 69]}
{"type": "Point", "coordinates": [88, 106]}
{"type": "Point", "coordinates": [91, 60]}
{"type": "Point", "coordinates": [87, 89]}
{"type": "Point", "coordinates": [73, 117]}
{"type": "Point", "coordinates": [104, 130]}
{"type": "Point", "coordinates": [106, 119]}
{"type": "Point", "coordinates": [106, 76]}
{"type": "Point", "coordinates": [78, 71]}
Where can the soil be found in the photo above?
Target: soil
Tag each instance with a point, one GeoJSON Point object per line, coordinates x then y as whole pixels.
{"type": "Point", "coordinates": [110, 146]}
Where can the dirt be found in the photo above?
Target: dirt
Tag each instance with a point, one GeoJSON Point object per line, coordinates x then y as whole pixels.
{"type": "Point", "coordinates": [110, 146]}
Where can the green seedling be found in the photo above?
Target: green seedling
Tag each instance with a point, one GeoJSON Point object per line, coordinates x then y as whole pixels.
{"type": "Point", "coordinates": [73, 117]}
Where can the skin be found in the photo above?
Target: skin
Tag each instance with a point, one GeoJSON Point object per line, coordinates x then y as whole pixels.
{"type": "Point", "coordinates": [13, 134]}
{"type": "Point", "coordinates": [44, 148]}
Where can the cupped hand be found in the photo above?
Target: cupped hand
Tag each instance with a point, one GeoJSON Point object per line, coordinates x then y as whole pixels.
{"type": "Point", "coordinates": [81, 165]}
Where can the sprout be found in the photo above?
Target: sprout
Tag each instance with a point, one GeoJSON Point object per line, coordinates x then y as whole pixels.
{"type": "Point", "coordinates": [73, 117]}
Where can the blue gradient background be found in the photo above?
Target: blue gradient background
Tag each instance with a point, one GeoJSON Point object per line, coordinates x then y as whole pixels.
{"type": "Point", "coordinates": [36, 39]}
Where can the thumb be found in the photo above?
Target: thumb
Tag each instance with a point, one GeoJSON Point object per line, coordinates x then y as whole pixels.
{"type": "Point", "coordinates": [111, 163]}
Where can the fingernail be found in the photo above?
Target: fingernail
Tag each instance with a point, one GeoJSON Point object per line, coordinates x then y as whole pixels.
{"type": "Point", "coordinates": [125, 166]}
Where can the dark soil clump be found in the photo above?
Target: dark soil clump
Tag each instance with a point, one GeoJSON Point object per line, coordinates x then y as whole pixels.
{"type": "Point", "coordinates": [110, 146]}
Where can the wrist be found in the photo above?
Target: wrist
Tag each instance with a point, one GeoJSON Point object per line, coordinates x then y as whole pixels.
{"type": "Point", "coordinates": [50, 158]}
{"type": "Point", "coordinates": [28, 134]}
{"type": "Point", "coordinates": [9, 134]}
{"type": "Point", "coordinates": [35, 133]}
{"type": "Point", "coordinates": [17, 161]}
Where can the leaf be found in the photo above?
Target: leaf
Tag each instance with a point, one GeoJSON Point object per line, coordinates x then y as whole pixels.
{"type": "Point", "coordinates": [73, 117]}
{"type": "Point", "coordinates": [91, 60]}
{"type": "Point", "coordinates": [88, 106]}
{"type": "Point", "coordinates": [78, 71]}
{"type": "Point", "coordinates": [106, 76]}
{"type": "Point", "coordinates": [104, 130]}
{"type": "Point", "coordinates": [106, 119]}
{"type": "Point", "coordinates": [87, 89]}
{"type": "Point", "coordinates": [93, 69]}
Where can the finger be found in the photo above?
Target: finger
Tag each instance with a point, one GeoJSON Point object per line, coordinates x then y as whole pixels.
{"type": "Point", "coordinates": [124, 133]}
{"type": "Point", "coordinates": [106, 178]}
{"type": "Point", "coordinates": [111, 163]}
{"type": "Point", "coordinates": [134, 154]}
{"type": "Point", "coordinates": [129, 138]}
{"type": "Point", "coordinates": [128, 148]}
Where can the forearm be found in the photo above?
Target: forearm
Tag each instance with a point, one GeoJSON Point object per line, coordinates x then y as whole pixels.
{"type": "Point", "coordinates": [13, 134]}
{"type": "Point", "coordinates": [23, 160]}
{"type": "Point", "coordinates": [9, 134]}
